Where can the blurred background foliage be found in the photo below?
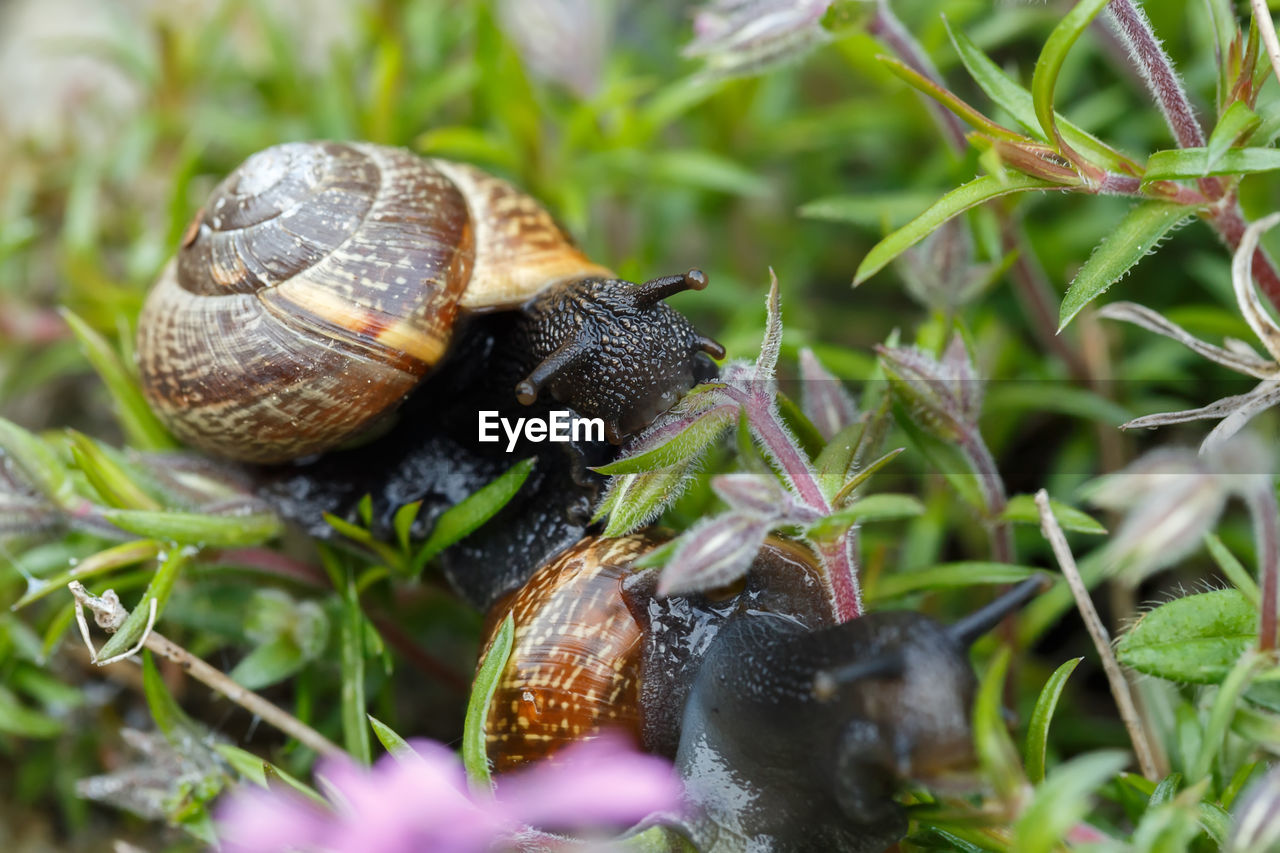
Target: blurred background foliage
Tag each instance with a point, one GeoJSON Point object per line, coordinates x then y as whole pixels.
{"type": "Point", "coordinates": [118, 118]}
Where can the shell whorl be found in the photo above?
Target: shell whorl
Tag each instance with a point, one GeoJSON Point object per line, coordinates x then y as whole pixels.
{"type": "Point", "coordinates": [575, 662]}
{"type": "Point", "coordinates": [320, 283]}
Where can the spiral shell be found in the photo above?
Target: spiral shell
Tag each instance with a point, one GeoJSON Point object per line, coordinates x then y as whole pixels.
{"type": "Point", "coordinates": [321, 282]}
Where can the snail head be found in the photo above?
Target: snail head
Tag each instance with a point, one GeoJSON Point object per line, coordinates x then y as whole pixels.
{"type": "Point", "coordinates": [614, 350]}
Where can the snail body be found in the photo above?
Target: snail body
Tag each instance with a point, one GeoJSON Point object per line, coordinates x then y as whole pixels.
{"type": "Point", "coordinates": [791, 732]}
{"type": "Point", "coordinates": [322, 281]}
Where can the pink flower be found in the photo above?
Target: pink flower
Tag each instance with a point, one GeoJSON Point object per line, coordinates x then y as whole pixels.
{"type": "Point", "coordinates": [421, 801]}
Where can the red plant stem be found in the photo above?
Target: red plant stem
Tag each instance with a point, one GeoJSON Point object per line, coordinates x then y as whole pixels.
{"type": "Point", "coordinates": [1228, 220]}
{"type": "Point", "coordinates": [993, 493]}
{"type": "Point", "coordinates": [841, 574]}
{"type": "Point", "coordinates": [1157, 70]}
{"type": "Point", "coordinates": [1162, 80]}
{"type": "Point", "coordinates": [1262, 506]}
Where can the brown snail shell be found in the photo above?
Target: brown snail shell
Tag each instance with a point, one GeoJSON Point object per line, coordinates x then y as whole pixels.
{"type": "Point", "coordinates": [321, 282]}
{"type": "Point", "coordinates": [594, 649]}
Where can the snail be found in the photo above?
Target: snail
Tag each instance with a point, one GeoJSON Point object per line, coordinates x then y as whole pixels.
{"type": "Point", "coordinates": [791, 732]}
{"type": "Point", "coordinates": [322, 281]}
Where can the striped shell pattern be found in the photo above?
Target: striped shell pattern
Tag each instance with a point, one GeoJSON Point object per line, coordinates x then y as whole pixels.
{"type": "Point", "coordinates": [321, 282]}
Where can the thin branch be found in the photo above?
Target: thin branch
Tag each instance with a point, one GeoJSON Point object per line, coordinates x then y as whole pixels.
{"type": "Point", "coordinates": [110, 615]}
{"type": "Point", "coordinates": [1267, 28]}
{"type": "Point", "coordinates": [1101, 640]}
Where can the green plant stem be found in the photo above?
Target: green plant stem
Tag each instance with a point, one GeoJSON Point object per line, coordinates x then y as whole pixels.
{"type": "Point", "coordinates": [1262, 506]}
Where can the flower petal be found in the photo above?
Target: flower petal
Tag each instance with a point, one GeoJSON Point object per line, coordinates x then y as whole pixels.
{"type": "Point", "coordinates": [1246, 294]}
{"type": "Point", "coordinates": [600, 782]}
{"type": "Point", "coordinates": [1240, 361]}
{"type": "Point", "coordinates": [1266, 395]}
{"type": "Point", "coordinates": [712, 553]}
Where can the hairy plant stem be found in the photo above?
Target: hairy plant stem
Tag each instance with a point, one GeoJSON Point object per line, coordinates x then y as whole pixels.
{"type": "Point", "coordinates": [993, 492]}
{"type": "Point", "coordinates": [837, 554]}
{"type": "Point", "coordinates": [1263, 508]}
{"type": "Point", "coordinates": [1120, 689]}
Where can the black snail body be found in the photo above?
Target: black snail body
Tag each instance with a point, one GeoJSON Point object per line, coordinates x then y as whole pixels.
{"type": "Point", "coordinates": [791, 732]}
{"type": "Point", "coordinates": [322, 281]}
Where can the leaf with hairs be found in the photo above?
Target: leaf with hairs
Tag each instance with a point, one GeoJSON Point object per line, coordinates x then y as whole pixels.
{"type": "Point", "coordinates": [1137, 234]}
{"type": "Point", "coordinates": [977, 191]}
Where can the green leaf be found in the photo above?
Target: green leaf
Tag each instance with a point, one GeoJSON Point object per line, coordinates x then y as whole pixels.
{"type": "Point", "coordinates": [1049, 64]}
{"type": "Point", "coordinates": [1195, 639]}
{"type": "Point", "coordinates": [871, 508]}
{"type": "Point", "coordinates": [977, 191]}
{"type": "Point", "coordinates": [261, 772]}
{"type": "Point", "coordinates": [1137, 234]}
{"type": "Point", "coordinates": [38, 464]}
{"type": "Point", "coordinates": [1019, 103]}
{"type": "Point", "coordinates": [1235, 126]}
{"type": "Point", "coordinates": [634, 500]}
{"type": "Point", "coordinates": [110, 559]}
{"type": "Point", "coordinates": [655, 839]}
{"type": "Point", "coordinates": [1021, 509]}
{"type": "Point", "coordinates": [390, 739]}
{"type": "Point", "coordinates": [871, 210]}
{"type": "Point", "coordinates": [141, 427]}
{"type": "Point", "coordinates": [704, 170]}
{"type": "Point", "coordinates": [864, 473]}
{"type": "Point", "coordinates": [1236, 573]}
{"type": "Point", "coordinates": [1185, 163]}
{"type": "Point", "coordinates": [194, 528]}
{"type": "Point", "coordinates": [116, 485]}
{"type": "Point", "coordinates": [1222, 712]}
{"type": "Point", "coordinates": [949, 100]}
{"type": "Point", "coordinates": [684, 445]}
{"type": "Point", "coordinates": [808, 435]}
{"type": "Point", "coordinates": [268, 664]}
{"type": "Point", "coordinates": [158, 591]}
{"type": "Point", "coordinates": [18, 719]}
{"type": "Point", "coordinates": [474, 752]}
{"type": "Point", "coordinates": [839, 453]}
{"type": "Point", "coordinates": [165, 710]}
{"type": "Point", "coordinates": [1038, 727]}
{"type": "Point", "coordinates": [355, 730]}
{"type": "Point", "coordinates": [948, 575]}
{"type": "Point", "coordinates": [996, 753]}
{"type": "Point", "coordinates": [1062, 800]}
{"type": "Point", "coordinates": [457, 522]}
{"type": "Point", "coordinates": [403, 523]}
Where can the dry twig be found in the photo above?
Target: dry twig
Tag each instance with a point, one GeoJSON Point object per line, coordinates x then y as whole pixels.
{"type": "Point", "coordinates": [110, 614]}
{"type": "Point", "coordinates": [1101, 640]}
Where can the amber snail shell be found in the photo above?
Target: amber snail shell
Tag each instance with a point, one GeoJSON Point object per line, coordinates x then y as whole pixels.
{"type": "Point", "coordinates": [321, 282]}
{"type": "Point", "coordinates": [594, 649]}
